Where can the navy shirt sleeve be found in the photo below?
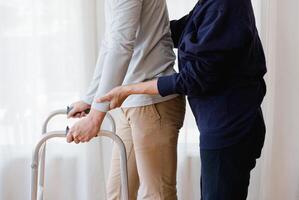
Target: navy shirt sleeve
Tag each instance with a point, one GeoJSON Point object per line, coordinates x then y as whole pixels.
{"type": "Point", "coordinates": [208, 51]}
{"type": "Point", "coordinates": [177, 28]}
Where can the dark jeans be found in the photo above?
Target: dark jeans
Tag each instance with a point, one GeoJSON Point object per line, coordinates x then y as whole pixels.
{"type": "Point", "coordinates": [225, 173]}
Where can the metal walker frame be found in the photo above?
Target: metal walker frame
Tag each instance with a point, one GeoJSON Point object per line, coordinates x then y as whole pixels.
{"type": "Point", "coordinates": [39, 156]}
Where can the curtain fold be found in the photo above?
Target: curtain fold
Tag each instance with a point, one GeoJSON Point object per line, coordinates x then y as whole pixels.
{"type": "Point", "coordinates": [280, 31]}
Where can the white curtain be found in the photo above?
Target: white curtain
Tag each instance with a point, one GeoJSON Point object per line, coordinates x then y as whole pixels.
{"type": "Point", "coordinates": [280, 34]}
{"type": "Point", "coordinates": [48, 51]}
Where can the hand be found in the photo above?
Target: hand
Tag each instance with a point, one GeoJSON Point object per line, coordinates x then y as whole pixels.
{"type": "Point", "coordinates": [87, 128]}
{"type": "Point", "coordinates": [78, 110]}
{"type": "Point", "coordinates": [116, 96]}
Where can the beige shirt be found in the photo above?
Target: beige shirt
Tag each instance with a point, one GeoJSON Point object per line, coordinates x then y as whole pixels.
{"type": "Point", "coordinates": [137, 47]}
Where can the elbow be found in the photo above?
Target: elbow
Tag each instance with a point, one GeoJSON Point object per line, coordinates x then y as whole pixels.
{"type": "Point", "coordinates": [121, 45]}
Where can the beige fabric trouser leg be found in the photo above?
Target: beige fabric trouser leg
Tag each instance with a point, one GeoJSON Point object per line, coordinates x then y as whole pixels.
{"type": "Point", "coordinates": [150, 134]}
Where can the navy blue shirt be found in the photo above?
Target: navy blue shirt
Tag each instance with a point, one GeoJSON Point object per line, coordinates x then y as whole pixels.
{"type": "Point", "coordinates": [222, 64]}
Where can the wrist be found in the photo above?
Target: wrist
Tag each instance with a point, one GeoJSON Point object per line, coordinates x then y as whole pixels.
{"type": "Point", "coordinates": [96, 116]}
{"type": "Point", "coordinates": [149, 87]}
{"type": "Point", "coordinates": [129, 90]}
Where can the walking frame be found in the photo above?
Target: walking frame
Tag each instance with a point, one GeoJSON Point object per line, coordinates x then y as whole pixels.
{"type": "Point", "coordinates": [39, 155]}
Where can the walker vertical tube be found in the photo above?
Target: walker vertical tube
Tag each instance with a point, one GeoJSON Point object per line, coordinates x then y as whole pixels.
{"type": "Point", "coordinates": [123, 162]}
{"type": "Point", "coordinates": [42, 151]}
{"type": "Point", "coordinates": [35, 160]}
{"type": "Point", "coordinates": [39, 157]}
{"type": "Point", "coordinates": [34, 172]}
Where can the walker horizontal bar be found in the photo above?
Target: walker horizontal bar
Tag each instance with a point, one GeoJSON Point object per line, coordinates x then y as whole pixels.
{"type": "Point", "coordinates": [61, 134]}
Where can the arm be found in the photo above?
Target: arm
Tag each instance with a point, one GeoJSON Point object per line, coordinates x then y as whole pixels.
{"type": "Point", "coordinates": [119, 94]}
{"type": "Point", "coordinates": [93, 87]}
{"type": "Point", "coordinates": [85, 103]}
{"type": "Point", "coordinates": [205, 64]}
{"type": "Point", "coordinates": [177, 27]}
{"type": "Point", "coordinates": [209, 54]}
{"type": "Point", "coordinates": [119, 48]}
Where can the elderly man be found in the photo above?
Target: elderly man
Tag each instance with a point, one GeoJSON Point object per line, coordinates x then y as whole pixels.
{"type": "Point", "coordinates": [137, 47]}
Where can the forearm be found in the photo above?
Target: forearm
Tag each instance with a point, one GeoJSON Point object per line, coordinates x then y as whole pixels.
{"type": "Point", "coordinates": [94, 84]}
{"type": "Point", "coordinates": [119, 94]}
{"type": "Point", "coordinates": [149, 87]}
{"type": "Point", "coordinates": [120, 47]}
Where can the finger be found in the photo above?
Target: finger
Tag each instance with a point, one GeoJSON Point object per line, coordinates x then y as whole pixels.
{"type": "Point", "coordinates": [80, 137]}
{"type": "Point", "coordinates": [75, 133]}
{"type": "Point", "coordinates": [112, 106]}
{"type": "Point", "coordinates": [76, 141]}
{"type": "Point", "coordinates": [83, 114]}
{"type": "Point", "coordinates": [72, 113]}
{"type": "Point", "coordinates": [76, 138]}
{"type": "Point", "coordinates": [84, 139]}
{"type": "Point", "coordinates": [69, 138]}
{"type": "Point", "coordinates": [76, 115]}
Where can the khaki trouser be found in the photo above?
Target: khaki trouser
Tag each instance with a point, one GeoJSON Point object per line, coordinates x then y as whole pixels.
{"type": "Point", "coordinates": [150, 134]}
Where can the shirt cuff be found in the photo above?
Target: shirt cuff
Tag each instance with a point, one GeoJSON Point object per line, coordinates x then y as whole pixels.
{"type": "Point", "coordinates": [166, 85]}
{"type": "Point", "coordinates": [102, 107]}
{"type": "Point", "coordinates": [87, 100]}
